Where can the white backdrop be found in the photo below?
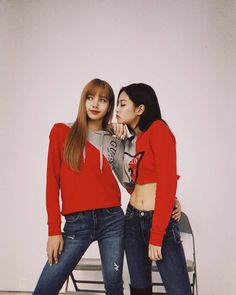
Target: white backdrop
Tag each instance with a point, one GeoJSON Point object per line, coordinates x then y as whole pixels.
{"type": "Point", "coordinates": [185, 49]}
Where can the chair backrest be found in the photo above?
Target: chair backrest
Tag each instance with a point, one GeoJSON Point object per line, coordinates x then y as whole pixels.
{"type": "Point", "coordinates": [184, 224]}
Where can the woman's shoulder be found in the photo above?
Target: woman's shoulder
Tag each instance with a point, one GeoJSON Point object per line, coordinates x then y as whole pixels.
{"type": "Point", "coordinates": [160, 128]}
{"type": "Point", "coordinates": [59, 129]}
{"type": "Point", "coordinates": [158, 125]}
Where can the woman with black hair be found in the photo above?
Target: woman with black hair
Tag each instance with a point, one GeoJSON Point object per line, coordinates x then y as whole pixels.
{"type": "Point", "coordinates": [150, 232]}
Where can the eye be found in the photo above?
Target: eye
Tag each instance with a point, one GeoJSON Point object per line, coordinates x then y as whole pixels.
{"type": "Point", "coordinates": [89, 97]}
{"type": "Point", "coordinates": [121, 103]}
{"type": "Point", "coordinates": [103, 100]}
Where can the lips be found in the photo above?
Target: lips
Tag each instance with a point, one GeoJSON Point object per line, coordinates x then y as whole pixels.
{"type": "Point", "coordinates": [94, 112]}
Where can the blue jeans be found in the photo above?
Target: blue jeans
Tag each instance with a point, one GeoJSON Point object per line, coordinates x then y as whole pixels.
{"type": "Point", "coordinates": [172, 267]}
{"type": "Point", "coordinates": [80, 230]}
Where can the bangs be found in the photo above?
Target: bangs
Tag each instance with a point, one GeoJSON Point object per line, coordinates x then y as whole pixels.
{"type": "Point", "coordinates": [98, 88]}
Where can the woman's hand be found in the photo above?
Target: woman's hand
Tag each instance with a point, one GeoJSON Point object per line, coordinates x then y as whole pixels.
{"type": "Point", "coordinates": [176, 214]}
{"type": "Point", "coordinates": [154, 252]}
{"type": "Point", "coordinates": [119, 130]}
{"type": "Point", "coordinates": [54, 247]}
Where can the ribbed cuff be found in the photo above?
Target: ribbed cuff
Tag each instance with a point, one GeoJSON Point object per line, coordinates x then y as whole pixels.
{"type": "Point", "coordinates": [54, 229]}
{"type": "Point", "coordinates": [156, 239]}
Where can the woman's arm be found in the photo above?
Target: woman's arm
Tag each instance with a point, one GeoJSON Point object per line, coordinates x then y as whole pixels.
{"type": "Point", "coordinates": [123, 144]}
{"type": "Point", "coordinates": [164, 149]}
{"type": "Point", "coordinates": [53, 182]}
{"type": "Point", "coordinates": [55, 240]}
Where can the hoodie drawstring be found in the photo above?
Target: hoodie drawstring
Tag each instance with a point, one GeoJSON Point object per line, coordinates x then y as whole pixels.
{"type": "Point", "coordinates": [84, 154]}
{"type": "Point", "coordinates": [101, 152]}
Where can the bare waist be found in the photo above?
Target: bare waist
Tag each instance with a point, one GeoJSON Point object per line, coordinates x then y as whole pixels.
{"type": "Point", "coordinates": [143, 196]}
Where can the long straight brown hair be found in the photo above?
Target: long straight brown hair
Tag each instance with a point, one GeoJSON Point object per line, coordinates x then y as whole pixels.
{"type": "Point", "coordinates": [77, 136]}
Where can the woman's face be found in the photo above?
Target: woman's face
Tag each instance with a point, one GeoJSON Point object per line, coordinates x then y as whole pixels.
{"type": "Point", "coordinates": [126, 112]}
{"type": "Point", "coordinates": [96, 106]}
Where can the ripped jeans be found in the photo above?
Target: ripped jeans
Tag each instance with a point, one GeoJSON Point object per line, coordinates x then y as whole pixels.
{"type": "Point", "coordinates": [80, 230]}
{"type": "Point", "coordinates": [172, 267]}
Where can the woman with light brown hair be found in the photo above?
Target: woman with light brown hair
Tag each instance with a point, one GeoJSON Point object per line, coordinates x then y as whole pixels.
{"type": "Point", "coordinates": [80, 158]}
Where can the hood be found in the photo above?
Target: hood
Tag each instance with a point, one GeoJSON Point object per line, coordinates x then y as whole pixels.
{"type": "Point", "coordinates": [97, 138]}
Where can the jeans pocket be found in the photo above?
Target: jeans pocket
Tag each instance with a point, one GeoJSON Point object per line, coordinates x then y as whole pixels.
{"type": "Point", "coordinates": [176, 234]}
{"type": "Point", "coordinates": [172, 235]}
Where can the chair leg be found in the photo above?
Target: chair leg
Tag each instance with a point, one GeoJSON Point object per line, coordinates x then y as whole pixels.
{"type": "Point", "coordinates": [74, 281]}
{"type": "Point", "coordinates": [67, 283]}
{"type": "Point", "coordinates": [143, 291]}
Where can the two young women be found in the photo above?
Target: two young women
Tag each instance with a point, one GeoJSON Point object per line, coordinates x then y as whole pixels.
{"type": "Point", "coordinates": [80, 159]}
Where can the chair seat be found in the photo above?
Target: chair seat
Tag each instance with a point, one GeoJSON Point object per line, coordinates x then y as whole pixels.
{"type": "Point", "coordinates": [190, 266]}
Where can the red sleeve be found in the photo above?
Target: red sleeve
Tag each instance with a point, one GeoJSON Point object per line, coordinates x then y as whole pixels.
{"type": "Point", "coordinates": [53, 183]}
{"type": "Point", "coordinates": [164, 148]}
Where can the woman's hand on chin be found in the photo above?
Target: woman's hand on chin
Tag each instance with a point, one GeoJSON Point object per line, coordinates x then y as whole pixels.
{"type": "Point", "coordinates": [119, 130]}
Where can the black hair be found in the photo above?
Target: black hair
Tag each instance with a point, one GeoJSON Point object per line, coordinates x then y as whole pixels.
{"type": "Point", "coordinates": [140, 93]}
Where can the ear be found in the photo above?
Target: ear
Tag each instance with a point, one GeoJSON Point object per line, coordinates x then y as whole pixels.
{"type": "Point", "coordinates": [140, 109]}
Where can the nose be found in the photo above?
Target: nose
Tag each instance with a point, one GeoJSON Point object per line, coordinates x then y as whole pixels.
{"type": "Point", "coordinates": [95, 103]}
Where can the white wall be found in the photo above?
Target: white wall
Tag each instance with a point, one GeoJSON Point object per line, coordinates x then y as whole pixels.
{"type": "Point", "coordinates": [184, 49]}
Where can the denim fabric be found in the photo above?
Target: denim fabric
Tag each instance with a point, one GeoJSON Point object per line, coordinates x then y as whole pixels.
{"type": "Point", "coordinates": [80, 230]}
{"type": "Point", "coordinates": [172, 267]}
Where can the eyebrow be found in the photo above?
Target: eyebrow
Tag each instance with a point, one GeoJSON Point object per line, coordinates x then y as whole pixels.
{"type": "Point", "coordinates": [100, 96]}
